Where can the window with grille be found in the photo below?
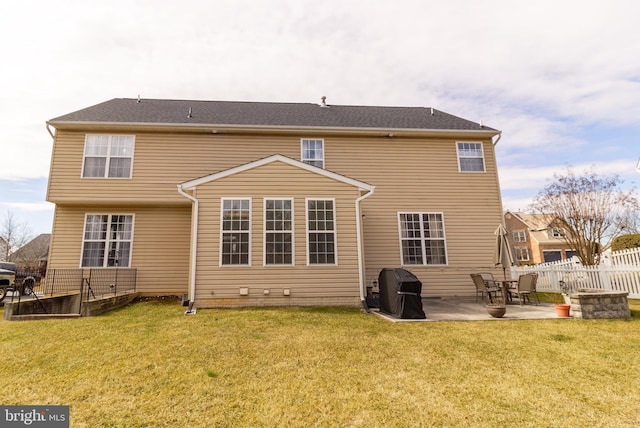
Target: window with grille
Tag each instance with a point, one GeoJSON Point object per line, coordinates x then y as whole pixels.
{"type": "Point", "coordinates": [108, 156]}
{"type": "Point", "coordinates": [519, 235]}
{"type": "Point", "coordinates": [313, 152]}
{"type": "Point", "coordinates": [321, 231]}
{"type": "Point", "coordinates": [278, 231]}
{"type": "Point", "coordinates": [107, 240]}
{"type": "Point", "coordinates": [236, 232]}
{"type": "Point", "coordinates": [522, 254]}
{"type": "Point", "coordinates": [470, 157]}
{"type": "Point", "coordinates": [422, 238]}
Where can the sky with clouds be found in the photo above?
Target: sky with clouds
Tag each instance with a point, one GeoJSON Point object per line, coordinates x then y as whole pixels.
{"type": "Point", "coordinates": [560, 79]}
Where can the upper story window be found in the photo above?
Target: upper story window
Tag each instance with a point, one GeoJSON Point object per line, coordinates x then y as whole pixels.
{"type": "Point", "coordinates": [422, 240]}
{"type": "Point", "coordinates": [520, 235]}
{"type": "Point", "coordinates": [470, 157]}
{"type": "Point", "coordinates": [108, 156]}
{"type": "Point", "coordinates": [321, 232]}
{"type": "Point", "coordinates": [312, 152]}
{"type": "Point", "coordinates": [107, 240]}
{"type": "Point", "coordinates": [557, 232]}
{"type": "Point", "coordinates": [236, 231]}
{"type": "Point", "coordinates": [278, 232]}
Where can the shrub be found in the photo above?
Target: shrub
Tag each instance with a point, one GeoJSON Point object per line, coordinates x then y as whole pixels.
{"type": "Point", "coordinates": [624, 242]}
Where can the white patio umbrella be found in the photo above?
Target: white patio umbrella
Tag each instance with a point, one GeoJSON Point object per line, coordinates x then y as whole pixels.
{"type": "Point", "coordinates": [503, 255]}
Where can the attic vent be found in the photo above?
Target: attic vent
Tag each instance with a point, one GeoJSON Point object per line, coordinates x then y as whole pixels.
{"type": "Point", "coordinates": [190, 115]}
{"type": "Point", "coordinates": [324, 102]}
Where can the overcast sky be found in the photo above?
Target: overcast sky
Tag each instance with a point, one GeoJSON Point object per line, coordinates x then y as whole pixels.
{"type": "Point", "coordinates": [560, 78]}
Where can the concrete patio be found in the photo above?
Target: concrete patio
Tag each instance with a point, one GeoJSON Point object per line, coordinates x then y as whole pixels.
{"type": "Point", "coordinates": [468, 310]}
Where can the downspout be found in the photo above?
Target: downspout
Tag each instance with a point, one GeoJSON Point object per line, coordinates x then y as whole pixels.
{"type": "Point", "coordinates": [194, 247]}
{"type": "Point", "coordinates": [361, 275]}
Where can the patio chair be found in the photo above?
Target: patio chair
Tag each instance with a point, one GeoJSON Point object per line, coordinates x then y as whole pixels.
{"type": "Point", "coordinates": [492, 283]}
{"type": "Point", "coordinates": [484, 287]}
{"type": "Point", "coordinates": [525, 287]}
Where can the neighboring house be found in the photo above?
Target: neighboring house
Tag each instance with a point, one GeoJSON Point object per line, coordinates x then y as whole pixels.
{"type": "Point", "coordinates": [32, 256]}
{"type": "Point", "coordinates": [246, 203]}
{"type": "Point", "coordinates": [535, 240]}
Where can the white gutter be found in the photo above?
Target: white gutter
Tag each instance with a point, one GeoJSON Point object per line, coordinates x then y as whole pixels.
{"type": "Point", "coordinates": [361, 275]}
{"type": "Point", "coordinates": [194, 247]}
{"type": "Point", "coordinates": [495, 143]}
{"type": "Point", "coordinates": [49, 131]}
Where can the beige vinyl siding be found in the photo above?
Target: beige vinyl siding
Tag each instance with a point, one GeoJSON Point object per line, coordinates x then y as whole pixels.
{"type": "Point", "coordinates": [411, 174]}
{"type": "Point", "coordinates": [414, 175]}
{"type": "Point", "coordinates": [160, 248]}
{"type": "Point", "coordinates": [219, 285]}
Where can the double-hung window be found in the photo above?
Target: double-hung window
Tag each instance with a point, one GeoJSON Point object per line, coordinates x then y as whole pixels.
{"type": "Point", "coordinates": [235, 231]}
{"type": "Point", "coordinates": [522, 254]}
{"type": "Point", "coordinates": [321, 232]}
{"type": "Point", "coordinates": [520, 235]}
{"type": "Point", "coordinates": [470, 157]}
{"type": "Point", "coordinates": [107, 240]}
{"type": "Point", "coordinates": [422, 239]}
{"type": "Point", "coordinates": [108, 156]}
{"type": "Point", "coordinates": [312, 152]}
{"type": "Point", "coordinates": [278, 231]}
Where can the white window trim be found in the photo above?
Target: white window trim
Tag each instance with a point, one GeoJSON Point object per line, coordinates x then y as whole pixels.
{"type": "Point", "coordinates": [423, 239]}
{"type": "Point", "coordinates": [106, 259]}
{"type": "Point", "coordinates": [265, 232]}
{"type": "Point", "coordinates": [250, 231]}
{"type": "Point", "coordinates": [526, 250]}
{"type": "Point", "coordinates": [305, 160]}
{"type": "Point", "coordinates": [106, 167]}
{"type": "Point", "coordinates": [335, 232]}
{"type": "Point", "coordinates": [484, 163]}
{"type": "Point", "coordinates": [519, 232]}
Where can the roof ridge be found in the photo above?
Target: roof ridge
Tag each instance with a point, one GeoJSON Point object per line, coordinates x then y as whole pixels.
{"type": "Point", "coordinates": [142, 99]}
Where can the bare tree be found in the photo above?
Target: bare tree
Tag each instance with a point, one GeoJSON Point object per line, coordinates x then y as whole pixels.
{"type": "Point", "coordinates": [590, 209]}
{"type": "Point", "coordinates": [14, 234]}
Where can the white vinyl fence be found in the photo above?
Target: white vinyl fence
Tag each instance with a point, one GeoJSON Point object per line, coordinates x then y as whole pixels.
{"type": "Point", "coordinates": [620, 271]}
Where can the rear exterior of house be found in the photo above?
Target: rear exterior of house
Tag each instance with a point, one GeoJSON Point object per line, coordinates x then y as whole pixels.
{"type": "Point", "coordinates": [239, 204]}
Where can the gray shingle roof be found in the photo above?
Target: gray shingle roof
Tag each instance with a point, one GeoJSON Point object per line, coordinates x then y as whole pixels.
{"type": "Point", "coordinates": [233, 113]}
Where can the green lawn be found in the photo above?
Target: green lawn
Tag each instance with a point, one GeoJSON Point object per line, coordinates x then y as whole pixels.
{"type": "Point", "coordinates": [149, 365]}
